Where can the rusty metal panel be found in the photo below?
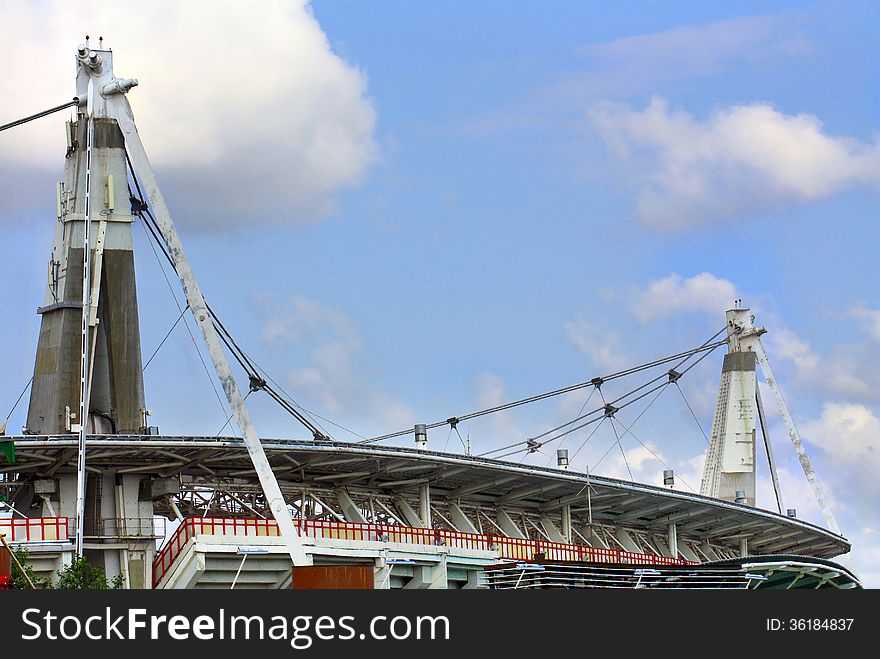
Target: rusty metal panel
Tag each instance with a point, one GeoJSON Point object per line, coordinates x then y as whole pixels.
{"type": "Point", "coordinates": [328, 577]}
{"type": "Point", "coordinates": [5, 563]}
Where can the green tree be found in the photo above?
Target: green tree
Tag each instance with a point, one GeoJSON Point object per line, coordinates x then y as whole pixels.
{"type": "Point", "coordinates": [82, 575]}
{"type": "Point", "coordinates": [18, 579]}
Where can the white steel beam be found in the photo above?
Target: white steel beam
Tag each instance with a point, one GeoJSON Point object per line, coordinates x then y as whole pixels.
{"type": "Point", "coordinates": [460, 520]}
{"type": "Point", "coordinates": [425, 505]}
{"type": "Point", "coordinates": [551, 529]}
{"type": "Point", "coordinates": [510, 528]}
{"type": "Point", "coordinates": [349, 507]}
{"type": "Point", "coordinates": [672, 540]}
{"type": "Point", "coordinates": [768, 446]}
{"type": "Point", "coordinates": [410, 516]}
{"type": "Point", "coordinates": [750, 338]}
{"type": "Point", "coordinates": [119, 109]}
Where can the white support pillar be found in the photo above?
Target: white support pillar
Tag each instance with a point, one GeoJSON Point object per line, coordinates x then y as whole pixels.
{"type": "Point", "coordinates": [566, 523]}
{"type": "Point", "coordinates": [744, 547]}
{"type": "Point", "coordinates": [382, 572]}
{"type": "Point", "coordinates": [672, 540]}
{"type": "Point", "coordinates": [434, 576]}
{"type": "Point", "coordinates": [349, 507]}
{"type": "Point", "coordinates": [505, 521]}
{"type": "Point", "coordinates": [439, 574]}
{"type": "Point", "coordinates": [686, 552]}
{"type": "Point", "coordinates": [461, 521]}
{"type": "Point", "coordinates": [551, 530]}
{"type": "Point", "coordinates": [595, 539]}
{"type": "Point", "coordinates": [425, 505]}
{"type": "Point", "coordinates": [409, 514]}
{"type": "Point", "coordinates": [626, 540]}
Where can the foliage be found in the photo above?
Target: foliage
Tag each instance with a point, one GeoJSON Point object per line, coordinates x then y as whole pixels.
{"type": "Point", "coordinates": [18, 580]}
{"type": "Point", "coordinates": [79, 575]}
{"type": "Point", "coordinates": [82, 575]}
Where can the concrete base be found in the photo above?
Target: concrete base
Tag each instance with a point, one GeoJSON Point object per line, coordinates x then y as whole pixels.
{"type": "Point", "coordinates": [213, 561]}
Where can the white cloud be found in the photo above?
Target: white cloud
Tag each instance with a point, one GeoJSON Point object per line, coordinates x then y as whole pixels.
{"type": "Point", "coordinates": [849, 433]}
{"type": "Point", "coordinates": [742, 161]}
{"type": "Point", "coordinates": [689, 473]}
{"type": "Point", "coordinates": [837, 375]}
{"type": "Point", "coordinates": [674, 294]}
{"type": "Point", "coordinates": [640, 64]}
{"type": "Point", "coordinates": [248, 115]}
{"type": "Point", "coordinates": [490, 392]}
{"type": "Point", "coordinates": [785, 344]}
{"type": "Point", "coordinates": [693, 50]}
{"type": "Point", "coordinates": [334, 377]}
{"type": "Point", "coordinates": [306, 319]}
{"type": "Point", "coordinates": [868, 318]}
{"type": "Point", "coordinates": [601, 346]}
{"type": "Point", "coordinates": [647, 463]}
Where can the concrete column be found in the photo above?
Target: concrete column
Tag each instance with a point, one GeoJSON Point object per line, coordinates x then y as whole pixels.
{"type": "Point", "coordinates": [685, 552]}
{"type": "Point", "coordinates": [505, 521]}
{"type": "Point", "coordinates": [744, 547]}
{"type": "Point", "coordinates": [566, 523]}
{"type": "Point", "coordinates": [382, 575]}
{"type": "Point", "coordinates": [551, 530]}
{"type": "Point", "coordinates": [473, 580]}
{"type": "Point", "coordinates": [707, 549]}
{"type": "Point", "coordinates": [410, 516]}
{"type": "Point", "coordinates": [439, 574]}
{"type": "Point", "coordinates": [672, 541]}
{"type": "Point", "coordinates": [595, 539]}
{"type": "Point", "coordinates": [349, 508]}
{"type": "Point", "coordinates": [429, 576]}
{"type": "Point", "coordinates": [425, 505]}
{"type": "Point", "coordinates": [626, 540]}
{"type": "Point", "coordinates": [461, 521]}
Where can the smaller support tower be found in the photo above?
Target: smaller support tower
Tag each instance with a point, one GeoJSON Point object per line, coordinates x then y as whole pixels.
{"type": "Point", "coordinates": [729, 472]}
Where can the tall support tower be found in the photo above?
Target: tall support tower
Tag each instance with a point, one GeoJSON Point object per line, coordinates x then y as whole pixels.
{"type": "Point", "coordinates": [116, 403]}
{"type": "Point", "coordinates": [729, 472]}
{"type": "Point", "coordinates": [730, 459]}
{"type": "Point", "coordinates": [117, 519]}
{"type": "Point", "coordinates": [89, 347]}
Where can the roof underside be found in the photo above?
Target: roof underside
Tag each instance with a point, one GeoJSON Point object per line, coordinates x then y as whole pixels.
{"type": "Point", "coordinates": [470, 480]}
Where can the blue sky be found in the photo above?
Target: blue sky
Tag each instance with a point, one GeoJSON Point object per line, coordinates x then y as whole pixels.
{"type": "Point", "coordinates": [503, 198]}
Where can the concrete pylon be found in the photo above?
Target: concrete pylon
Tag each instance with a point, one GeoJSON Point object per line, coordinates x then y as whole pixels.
{"type": "Point", "coordinates": [116, 402]}
{"type": "Point", "coordinates": [730, 459]}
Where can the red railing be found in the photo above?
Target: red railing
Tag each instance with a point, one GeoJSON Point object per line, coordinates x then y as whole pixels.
{"type": "Point", "coordinates": [518, 549]}
{"type": "Point", "coordinates": [34, 529]}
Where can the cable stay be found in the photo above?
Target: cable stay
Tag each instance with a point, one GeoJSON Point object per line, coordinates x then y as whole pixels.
{"type": "Point", "coordinates": [39, 115]}
{"type": "Point", "coordinates": [693, 414]}
{"type": "Point", "coordinates": [610, 409]}
{"type": "Point", "coordinates": [255, 380]}
{"type": "Point", "coordinates": [706, 347]}
{"type": "Point", "coordinates": [17, 401]}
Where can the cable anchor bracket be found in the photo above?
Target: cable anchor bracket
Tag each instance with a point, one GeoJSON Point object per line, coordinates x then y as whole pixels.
{"type": "Point", "coordinates": [256, 383]}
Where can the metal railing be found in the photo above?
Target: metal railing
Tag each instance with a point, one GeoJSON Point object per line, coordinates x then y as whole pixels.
{"type": "Point", "coordinates": [125, 527]}
{"type": "Point", "coordinates": [35, 529]}
{"type": "Point", "coordinates": [55, 529]}
{"type": "Point", "coordinates": [519, 549]}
